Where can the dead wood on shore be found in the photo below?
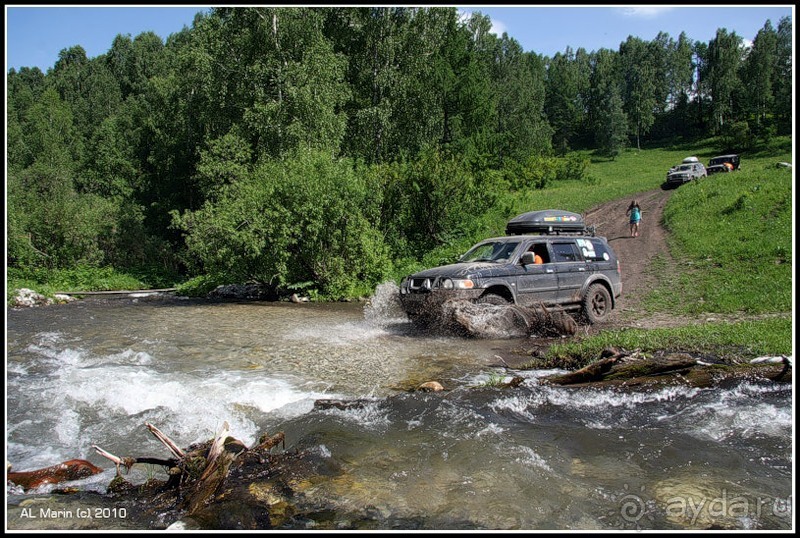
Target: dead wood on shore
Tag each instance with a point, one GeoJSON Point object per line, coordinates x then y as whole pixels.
{"type": "Point", "coordinates": [197, 474]}
{"type": "Point", "coordinates": [635, 369]}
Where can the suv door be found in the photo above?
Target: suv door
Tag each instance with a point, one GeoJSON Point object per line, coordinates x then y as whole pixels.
{"type": "Point", "coordinates": [570, 268]}
{"type": "Point", "coordinates": [537, 282]}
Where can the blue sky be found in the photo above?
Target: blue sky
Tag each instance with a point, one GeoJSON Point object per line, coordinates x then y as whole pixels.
{"type": "Point", "coordinates": [548, 30]}
{"type": "Point", "coordinates": [35, 35]}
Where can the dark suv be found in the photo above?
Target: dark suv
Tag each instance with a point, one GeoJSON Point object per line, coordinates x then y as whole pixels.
{"type": "Point", "coordinates": [548, 257]}
{"type": "Point", "coordinates": [723, 163]}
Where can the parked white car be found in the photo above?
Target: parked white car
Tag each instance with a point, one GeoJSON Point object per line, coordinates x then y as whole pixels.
{"type": "Point", "coordinates": [684, 173]}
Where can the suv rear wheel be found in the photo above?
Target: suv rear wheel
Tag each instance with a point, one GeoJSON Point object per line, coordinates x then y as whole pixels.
{"type": "Point", "coordinates": [596, 303]}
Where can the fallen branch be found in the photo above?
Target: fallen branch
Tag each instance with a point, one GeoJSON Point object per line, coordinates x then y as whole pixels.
{"type": "Point", "coordinates": [167, 441]}
{"type": "Point", "coordinates": [593, 372]}
{"type": "Point", "coordinates": [117, 461]}
{"type": "Point", "coordinates": [196, 474]}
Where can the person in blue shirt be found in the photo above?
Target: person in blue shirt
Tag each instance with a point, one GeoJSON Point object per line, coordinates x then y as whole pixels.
{"type": "Point", "coordinates": [635, 213]}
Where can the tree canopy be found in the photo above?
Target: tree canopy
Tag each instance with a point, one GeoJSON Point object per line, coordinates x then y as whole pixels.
{"type": "Point", "coordinates": [324, 147]}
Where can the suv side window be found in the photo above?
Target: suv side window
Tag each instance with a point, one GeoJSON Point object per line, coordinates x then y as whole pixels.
{"type": "Point", "coordinates": [541, 250]}
{"type": "Point", "coordinates": [594, 249]}
{"type": "Point", "coordinates": [566, 252]}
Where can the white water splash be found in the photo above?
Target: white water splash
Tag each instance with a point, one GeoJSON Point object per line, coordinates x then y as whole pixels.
{"type": "Point", "coordinates": [78, 399]}
{"type": "Point", "coordinates": [529, 457]}
{"type": "Point", "coordinates": [491, 430]}
{"type": "Point", "coordinates": [384, 307]}
{"type": "Point", "coordinates": [740, 412]}
{"type": "Point", "coordinates": [599, 399]}
{"type": "Point", "coordinates": [369, 416]}
{"type": "Point", "coordinates": [585, 402]}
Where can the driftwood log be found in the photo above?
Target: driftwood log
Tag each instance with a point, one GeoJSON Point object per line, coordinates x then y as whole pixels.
{"type": "Point", "coordinates": [63, 472]}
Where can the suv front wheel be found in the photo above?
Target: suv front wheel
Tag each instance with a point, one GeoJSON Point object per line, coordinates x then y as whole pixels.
{"type": "Point", "coordinates": [597, 303]}
{"type": "Point", "coordinates": [492, 298]}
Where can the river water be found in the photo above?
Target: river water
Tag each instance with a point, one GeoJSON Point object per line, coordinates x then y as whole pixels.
{"type": "Point", "coordinates": [475, 456]}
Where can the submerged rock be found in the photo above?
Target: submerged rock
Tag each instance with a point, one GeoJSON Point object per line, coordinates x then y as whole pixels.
{"type": "Point", "coordinates": [692, 502]}
{"type": "Point", "coordinates": [431, 386]}
{"type": "Point", "coordinates": [328, 403]}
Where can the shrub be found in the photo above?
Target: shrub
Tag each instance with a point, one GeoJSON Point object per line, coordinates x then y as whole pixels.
{"type": "Point", "coordinates": [299, 219]}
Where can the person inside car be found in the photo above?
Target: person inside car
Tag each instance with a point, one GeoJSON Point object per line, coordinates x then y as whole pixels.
{"type": "Point", "coordinates": [537, 257]}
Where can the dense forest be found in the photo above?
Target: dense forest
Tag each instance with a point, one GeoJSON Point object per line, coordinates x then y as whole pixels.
{"type": "Point", "coordinates": [327, 149]}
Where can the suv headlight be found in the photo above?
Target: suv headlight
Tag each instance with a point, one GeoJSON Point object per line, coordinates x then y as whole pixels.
{"type": "Point", "coordinates": [458, 284]}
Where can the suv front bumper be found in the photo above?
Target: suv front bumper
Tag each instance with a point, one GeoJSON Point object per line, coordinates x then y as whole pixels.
{"type": "Point", "coordinates": [429, 302]}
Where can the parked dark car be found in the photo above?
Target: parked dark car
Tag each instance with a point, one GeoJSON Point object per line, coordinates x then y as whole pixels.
{"type": "Point", "coordinates": [577, 271]}
{"type": "Point", "coordinates": [684, 173]}
{"type": "Point", "coordinates": [723, 163]}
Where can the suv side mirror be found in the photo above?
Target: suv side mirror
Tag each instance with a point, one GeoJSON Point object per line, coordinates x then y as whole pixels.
{"type": "Point", "coordinates": [527, 258]}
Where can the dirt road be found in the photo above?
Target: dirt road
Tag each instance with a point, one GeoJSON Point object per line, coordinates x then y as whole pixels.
{"type": "Point", "coordinates": [635, 253]}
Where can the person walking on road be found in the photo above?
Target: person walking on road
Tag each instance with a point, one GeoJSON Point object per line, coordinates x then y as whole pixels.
{"type": "Point", "coordinates": [635, 213]}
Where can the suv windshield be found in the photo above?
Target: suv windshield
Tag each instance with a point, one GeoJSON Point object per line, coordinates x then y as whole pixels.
{"type": "Point", "coordinates": [492, 251]}
{"type": "Point", "coordinates": [684, 168]}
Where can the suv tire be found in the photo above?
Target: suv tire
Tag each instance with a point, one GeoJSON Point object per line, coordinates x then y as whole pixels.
{"type": "Point", "coordinates": [492, 298]}
{"type": "Point", "coordinates": [596, 303]}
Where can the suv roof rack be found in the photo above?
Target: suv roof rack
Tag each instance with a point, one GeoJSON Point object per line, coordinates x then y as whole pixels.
{"type": "Point", "coordinates": [549, 222]}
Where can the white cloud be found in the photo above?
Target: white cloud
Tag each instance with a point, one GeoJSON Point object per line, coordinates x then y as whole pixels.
{"type": "Point", "coordinates": [464, 15]}
{"type": "Point", "coordinates": [498, 27]}
{"type": "Point", "coordinates": [645, 12]}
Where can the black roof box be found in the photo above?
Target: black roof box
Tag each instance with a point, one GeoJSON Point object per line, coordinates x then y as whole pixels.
{"type": "Point", "coordinates": [546, 221]}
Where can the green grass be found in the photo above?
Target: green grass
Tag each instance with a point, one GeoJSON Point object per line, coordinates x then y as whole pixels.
{"type": "Point", "coordinates": [729, 341]}
{"type": "Point", "coordinates": [732, 235]}
{"type": "Point", "coordinates": [631, 172]}
{"type": "Point", "coordinates": [496, 379]}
